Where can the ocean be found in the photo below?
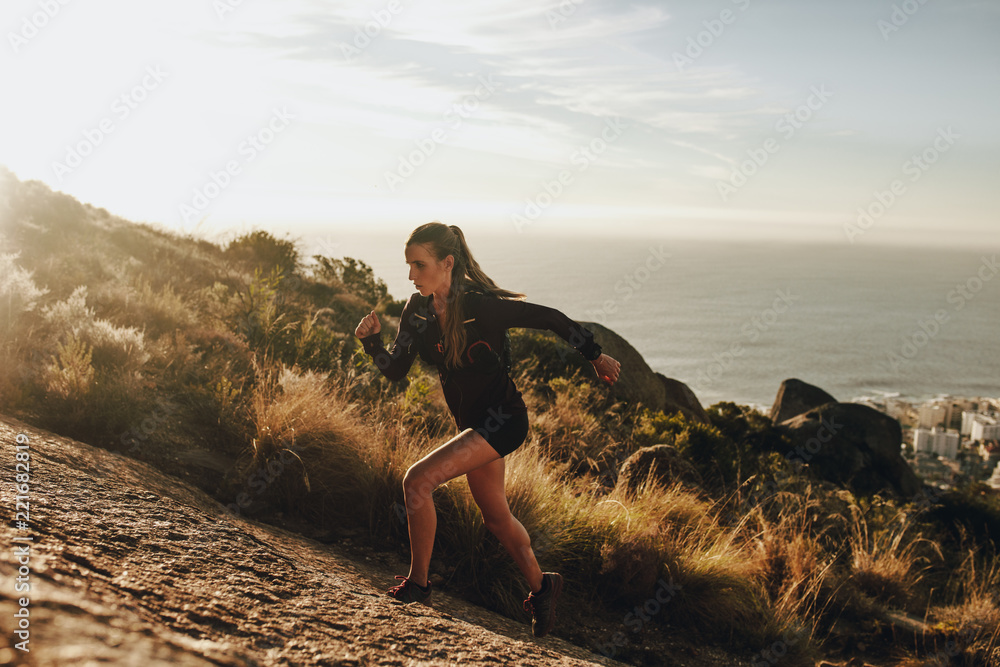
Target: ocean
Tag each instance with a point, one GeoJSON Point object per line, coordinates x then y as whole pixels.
{"type": "Point", "coordinates": [732, 320]}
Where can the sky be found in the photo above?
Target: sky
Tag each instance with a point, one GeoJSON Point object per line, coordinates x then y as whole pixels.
{"type": "Point", "coordinates": [857, 121]}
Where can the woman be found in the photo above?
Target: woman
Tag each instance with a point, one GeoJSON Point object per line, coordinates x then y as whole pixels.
{"type": "Point", "coordinates": [457, 321]}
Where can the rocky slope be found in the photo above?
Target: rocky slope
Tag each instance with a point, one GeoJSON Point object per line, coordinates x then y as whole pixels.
{"type": "Point", "coordinates": [131, 566]}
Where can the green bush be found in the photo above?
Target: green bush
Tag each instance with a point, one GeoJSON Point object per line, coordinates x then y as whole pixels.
{"type": "Point", "coordinates": [544, 356]}
{"type": "Point", "coordinates": [352, 276]}
{"type": "Point", "coordinates": [261, 250]}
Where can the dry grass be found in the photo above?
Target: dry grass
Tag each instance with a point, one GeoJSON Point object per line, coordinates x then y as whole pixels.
{"type": "Point", "coordinates": [565, 423]}
{"type": "Point", "coordinates": [795, 568]}
{"type": "Point", "coordinates": [885, 561]}
{"type": "Point", "coordinates": [343, 466]}
{"type": "Point", "coordinates": [974, 613]}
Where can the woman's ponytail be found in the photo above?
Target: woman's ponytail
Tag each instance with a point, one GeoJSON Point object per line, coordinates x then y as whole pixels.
{"type": "Point", "coordinates": [474, 273]}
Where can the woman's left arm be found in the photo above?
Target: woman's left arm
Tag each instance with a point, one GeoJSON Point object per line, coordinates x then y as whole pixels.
{"type": "Point", "coordinates": [509, 314]}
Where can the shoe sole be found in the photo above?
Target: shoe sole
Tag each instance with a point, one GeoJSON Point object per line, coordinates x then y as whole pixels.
{"type": "Point", "coordinates": [557, 584]}
{"type": "Point", "coordinates": [410, 599]}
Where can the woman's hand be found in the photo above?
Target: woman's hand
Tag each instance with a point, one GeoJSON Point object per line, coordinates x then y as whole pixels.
{"type": "Point", "coordinates": [607, 368]}
{"type": "Point", "coordinates": [369, 325]}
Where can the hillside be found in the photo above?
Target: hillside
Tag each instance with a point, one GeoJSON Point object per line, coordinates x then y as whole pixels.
{"type": "Point", "coordinates": [131, 566]}
{"type": "Point", "coordinates": [229, 413]}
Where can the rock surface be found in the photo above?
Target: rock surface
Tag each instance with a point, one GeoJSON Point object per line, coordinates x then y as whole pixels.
{"type": "Point", "coordinates": [131, 566]}
{"type": "Point", "coordinates": [852, 445]}
{"type": "Point", "coordinates": [666, 464]}
{"type": "Point", "coordinates": [680, 398]}
{"type": "Point", "coordinates": [639, 383]}
{"type": "Point", "coordinates": [795, 397]}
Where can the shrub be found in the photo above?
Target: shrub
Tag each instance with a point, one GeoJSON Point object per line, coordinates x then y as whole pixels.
{"type": "Point", "coordinates": [261, 250]}
{"type": "Point", "coordinates": [567, 424]}
{"type": "Point", "coordinates": [352, 276]}
{"type": "Point", "coordinates": [113, 346]}
{"type": "Point", "coordinates": [18, 292]}
{"type": "Point", "coordinates": [263, 316]}
{"type": "Point", "coordinates": [70, 374]}
{"type": "Point", "coordinates": [545, 356]}
{"type": "Point", "coordinates": [719, 460]}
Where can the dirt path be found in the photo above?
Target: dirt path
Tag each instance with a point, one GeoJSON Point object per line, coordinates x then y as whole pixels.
{"type": "Point", "coordinates": [130, 566]}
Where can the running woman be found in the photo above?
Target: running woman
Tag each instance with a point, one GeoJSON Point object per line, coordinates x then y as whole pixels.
{"type": "Point", "coordinates": [457, 321]}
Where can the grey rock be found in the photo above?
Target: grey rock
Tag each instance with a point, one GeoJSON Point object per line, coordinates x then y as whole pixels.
{"type": "Point", "coordinates": [854, 446]}
{"type": "Point", "coordinates": [637, 382]}
{"type": "Point", "coordinates": [667, 465]}
{"type": "Point", "coordinates": [795, 397]}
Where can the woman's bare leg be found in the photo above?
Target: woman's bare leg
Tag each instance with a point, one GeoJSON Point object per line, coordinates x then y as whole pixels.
{"type": "Point", "coordinates": [466, 451]}
{"type": "Point", "coordinates": [487, 486]}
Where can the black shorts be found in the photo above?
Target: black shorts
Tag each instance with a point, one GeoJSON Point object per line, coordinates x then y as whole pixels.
{"type": "Point", "coordinates": [504, 436]}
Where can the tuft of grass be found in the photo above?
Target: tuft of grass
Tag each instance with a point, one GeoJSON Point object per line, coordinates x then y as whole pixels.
{"type": "Point", "coordinates": [568, 426]}
{"type": "Point", "coordinates": [786, 537]}
{"type": "Point", "coordinates": [973, 614]}
{"type": "Point", "coordinates": [885, 560]}
{"type": "Point", "coordinates": [294, 433]}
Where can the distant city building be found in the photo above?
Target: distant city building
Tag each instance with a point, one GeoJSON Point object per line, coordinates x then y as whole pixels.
{"type": "Point", "coordinates": [936, 441]}
{"type": "Point", "coordinates": [984, 428]}
{"type": "Point", "coordinates": [931, 415]}
{"type": "Point", "coordinates": [968, 417]}
{"type": "Point", "coordinates": [955, 409]}
{"type": "Point", "coordinates": [946, 412]}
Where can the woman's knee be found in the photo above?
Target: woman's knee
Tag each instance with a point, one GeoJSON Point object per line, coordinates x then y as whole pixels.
{"type": "Point", "coordinates": [418, 481]}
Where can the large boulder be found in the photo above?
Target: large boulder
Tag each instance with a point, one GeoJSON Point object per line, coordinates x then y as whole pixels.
{"type": "Point", "coordinates": [666, 464]}
{"type": "Point", "coordinates": [680, 398]}
{"type": "Point", "coordinates": [637, 382]}
{"type": "Point", "coordinates": [795, 397]}
{"type": "Point", "coordinates": [852, 445]}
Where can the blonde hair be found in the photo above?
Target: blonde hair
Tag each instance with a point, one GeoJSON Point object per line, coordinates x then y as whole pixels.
{"type": "Point", "coordinates": [443, 240]}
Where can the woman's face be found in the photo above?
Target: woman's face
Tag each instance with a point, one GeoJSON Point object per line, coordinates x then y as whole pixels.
{"type": "Point", "coordinates": [427, 274]}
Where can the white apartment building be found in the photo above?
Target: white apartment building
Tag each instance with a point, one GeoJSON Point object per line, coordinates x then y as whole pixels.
{"type": "Point", "coordinates": [968, 418]}
{"type": "Point", "coordinates": [983, 429]}
{"type": "Point", "coordinates": [936, 441]}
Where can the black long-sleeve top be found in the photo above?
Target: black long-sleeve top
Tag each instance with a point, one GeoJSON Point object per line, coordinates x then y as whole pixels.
{"type": "Point", "coordinates": [472, 394]}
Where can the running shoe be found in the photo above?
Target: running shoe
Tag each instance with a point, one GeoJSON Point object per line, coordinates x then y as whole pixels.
{"type": "Point", "coordinates": [409, 591]}
{"type": "Point", "coordinates": [542, 605]}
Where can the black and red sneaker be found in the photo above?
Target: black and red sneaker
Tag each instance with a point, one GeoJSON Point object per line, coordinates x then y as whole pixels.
{"type": "Point", "coordinates": [542, 605]}
{"type": "Point", "coordinates": [410, 591]}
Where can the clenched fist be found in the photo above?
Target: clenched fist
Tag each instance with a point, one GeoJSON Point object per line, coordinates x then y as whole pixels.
{"type": "Point", "coordinates": [607, 369]}
{"type": "Point", "coordinates": [369, 325]}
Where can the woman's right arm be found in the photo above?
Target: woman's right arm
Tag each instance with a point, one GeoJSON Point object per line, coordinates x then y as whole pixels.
{"type": "Point", "coordinates": [394, 364]}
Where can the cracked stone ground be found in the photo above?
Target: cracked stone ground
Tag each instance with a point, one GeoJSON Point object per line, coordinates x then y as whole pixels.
{"type": "Point", "coordinates": [130, 566]}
